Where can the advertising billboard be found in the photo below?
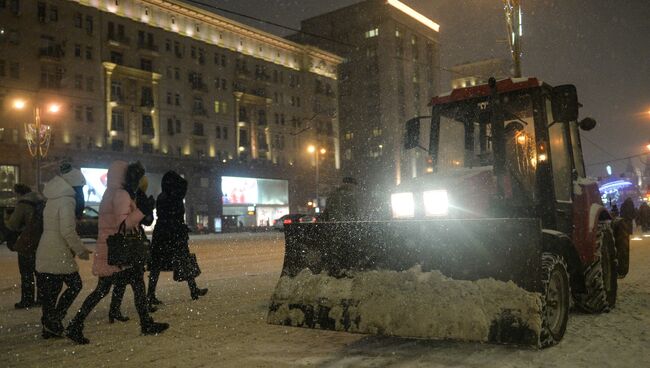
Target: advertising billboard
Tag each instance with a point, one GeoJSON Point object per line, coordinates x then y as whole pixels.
{"type": "Point", "coordinates": [95, 184]}
{"type": "Point", "coordinates": [244, 191]}
{"type": "Point", "coordinates": [96, 181]}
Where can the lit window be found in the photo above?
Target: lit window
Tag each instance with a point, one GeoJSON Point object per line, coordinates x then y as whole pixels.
{"type": "Point", "coordinates": [372, 33]}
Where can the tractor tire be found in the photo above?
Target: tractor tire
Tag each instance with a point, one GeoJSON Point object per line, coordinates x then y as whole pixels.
{"type": "Point", "coordinates": [556, 299]}
{"type": "Point", "coordinates": [601, 277]}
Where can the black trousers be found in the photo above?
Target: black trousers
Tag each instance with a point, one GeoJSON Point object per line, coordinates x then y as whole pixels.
{"type": "Point", "coordinates": [55, 307]}
{"type": "Point", "coordinates": [27, 268]}
{"type": "Point", "coordinates": [133, 276]}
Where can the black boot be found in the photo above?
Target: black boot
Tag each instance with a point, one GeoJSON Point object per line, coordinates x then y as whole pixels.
{"type": "Point", "coordinates": [154, 301]}
{"type": "Point", "coordinates": [52, 331]}
{"type": "Point", "coordinates": [196, 293]}
{"type": "Point", "coordinates": [75, 333]}
{"type": "Point", "coordinates": [112, 316]}
{"type": "Point", "coordinates": [153, 328]}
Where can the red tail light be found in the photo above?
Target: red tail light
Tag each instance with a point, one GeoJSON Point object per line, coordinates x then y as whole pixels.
{"type": "Point", "coordinates": [286, 221]}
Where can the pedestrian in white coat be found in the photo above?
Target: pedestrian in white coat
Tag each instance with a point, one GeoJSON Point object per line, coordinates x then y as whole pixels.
{"type": "Point", "coordinates": [58, 247]}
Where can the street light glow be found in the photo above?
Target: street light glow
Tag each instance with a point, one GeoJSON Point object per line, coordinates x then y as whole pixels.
{"type": "Point", "coordinates": [19, 104]}
{"type": "Point", "coordinates": [322, 151]}
{"type": "Point", "coordinates": [311, 149]}
{"type": "Point", "coordinates": [54, 108]}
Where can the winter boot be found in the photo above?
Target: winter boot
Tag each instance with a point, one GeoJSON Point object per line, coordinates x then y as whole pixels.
{"type": "Point", "coordinates": [154, 301]}
{"type": "Point", "coordinates": [52, 331]}
{"type": "Point", "coordinates": [153, 328]}
{"type": "Point", "coordinates": [113, 316]}
{"type": "Point", "coordinates": [75, 333]}
{"type": "Point", "coordinates": [196, 293]}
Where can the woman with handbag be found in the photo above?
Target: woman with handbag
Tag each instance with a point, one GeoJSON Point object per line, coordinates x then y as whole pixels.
{"type": "Point", "coordinates": [117, 207]}
{"type": "Point", "coordinates": [58, 246]}
{"type": "Point", "coordinates": [169, 246]}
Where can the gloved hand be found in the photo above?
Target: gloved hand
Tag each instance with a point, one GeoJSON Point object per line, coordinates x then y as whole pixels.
{"type": "Point", "coordinates": [145, 204]}
{"type": "Point", "coordinates": [84, 255]}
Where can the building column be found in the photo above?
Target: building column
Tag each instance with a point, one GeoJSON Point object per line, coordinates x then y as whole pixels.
{"type": "Point", "coordinates": [238, 96]}
{"type": "Point", "coordinates": [107, 103]}
{"type": "Point", "coordinates": [155, 116]}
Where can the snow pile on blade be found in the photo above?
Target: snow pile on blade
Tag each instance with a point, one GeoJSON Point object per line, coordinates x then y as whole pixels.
{"type": "Point", "coordinates": [410, 304]}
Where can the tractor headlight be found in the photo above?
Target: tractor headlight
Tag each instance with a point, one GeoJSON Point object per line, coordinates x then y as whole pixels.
{"type": "Point", "coordinates": [436, 203]}
{"type": "Point", "coordinates": [403, 205]}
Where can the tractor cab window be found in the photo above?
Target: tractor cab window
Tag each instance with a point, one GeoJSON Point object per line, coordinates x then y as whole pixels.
{"type": "Point", "coordinates": [561, 163]}
{"type": "Point", "coordinates": [579, 163]}
{"type": "Point", "coordinates": [465, 139]}
{"type": "Point", "coordinates": [520, 148]}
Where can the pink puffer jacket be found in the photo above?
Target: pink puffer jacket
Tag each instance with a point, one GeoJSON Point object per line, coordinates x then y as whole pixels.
{"type": "Point", "coordinates": [116, 206]}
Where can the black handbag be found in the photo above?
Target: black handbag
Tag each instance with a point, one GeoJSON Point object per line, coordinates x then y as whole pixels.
{"type": "Point", "coordinates": [186, 268]}
{"type": "Point", "coordinates": [127, 248]}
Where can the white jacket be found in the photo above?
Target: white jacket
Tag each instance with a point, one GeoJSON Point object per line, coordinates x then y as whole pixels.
{"type": "Point", "coordinates": [59, 242]}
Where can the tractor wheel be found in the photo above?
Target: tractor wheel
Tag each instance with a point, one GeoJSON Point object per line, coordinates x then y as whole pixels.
{"type": "Point", "coordinates": [601, 277]}
{"type": "Point", "coordinates": [556, 299]}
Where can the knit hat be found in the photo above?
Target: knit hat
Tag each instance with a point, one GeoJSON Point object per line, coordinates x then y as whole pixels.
{"type": "Point", "coordinates": [72, 176]}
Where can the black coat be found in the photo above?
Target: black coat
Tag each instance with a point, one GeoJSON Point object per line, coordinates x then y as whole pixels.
{"type": "Point", "coordinates": [170, 235]}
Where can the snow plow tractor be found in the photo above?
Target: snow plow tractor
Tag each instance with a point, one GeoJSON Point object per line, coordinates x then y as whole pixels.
{"type": "Point", "coordinates": [493, 238]}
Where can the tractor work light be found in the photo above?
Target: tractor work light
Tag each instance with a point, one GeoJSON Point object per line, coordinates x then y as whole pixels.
{"type": "Point", "coordinates": [436, 203]}
{"type": "Point", "coordinates": [402, 205]}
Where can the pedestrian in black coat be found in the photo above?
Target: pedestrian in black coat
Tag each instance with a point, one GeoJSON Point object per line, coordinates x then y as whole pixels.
{"type": "Point", "coordinates": [170, 243]}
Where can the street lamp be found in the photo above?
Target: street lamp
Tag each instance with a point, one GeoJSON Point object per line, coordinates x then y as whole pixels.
{"type": "Point", "coordinates": [321, 151]}
{"type": "Point", "coordinates": [37, 135]}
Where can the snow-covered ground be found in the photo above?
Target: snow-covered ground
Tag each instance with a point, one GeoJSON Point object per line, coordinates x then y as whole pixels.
{"type": "Point", "coordinates": [227, 328]}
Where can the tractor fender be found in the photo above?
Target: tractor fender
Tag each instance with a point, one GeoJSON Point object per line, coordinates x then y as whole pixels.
{"type": "Point", "coordinates": [559, 243]}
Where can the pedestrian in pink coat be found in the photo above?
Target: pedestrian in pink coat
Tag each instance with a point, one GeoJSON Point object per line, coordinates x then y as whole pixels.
{"type": "Point", "coordinates": [117, 206]}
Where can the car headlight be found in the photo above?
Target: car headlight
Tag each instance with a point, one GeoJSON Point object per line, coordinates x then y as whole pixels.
{"type": "Point", "coordinates": [402, 205]}
{"type": "Point", "coordinates": [436, 203]}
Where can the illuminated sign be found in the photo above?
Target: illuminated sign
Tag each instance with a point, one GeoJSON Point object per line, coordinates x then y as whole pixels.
{"type": "Point", "coordinates": [95, 184]}
{"type": "Point", "coordinates": [413, 14]}
{"type": "Point", "coordinates": [249, 191]}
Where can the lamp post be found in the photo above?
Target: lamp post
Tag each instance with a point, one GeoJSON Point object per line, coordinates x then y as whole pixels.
{"type": "Point", "coordinates": [321, 151]}
{"type": "Point", "coordinates": [37, 135]}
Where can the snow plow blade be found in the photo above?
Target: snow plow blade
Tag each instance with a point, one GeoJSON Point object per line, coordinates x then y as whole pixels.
{"type": "Point", "coordinates": [471, 280]}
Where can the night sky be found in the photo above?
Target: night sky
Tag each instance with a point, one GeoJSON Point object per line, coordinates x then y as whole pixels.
{"type": "Point", "coordinates": [601, 46]}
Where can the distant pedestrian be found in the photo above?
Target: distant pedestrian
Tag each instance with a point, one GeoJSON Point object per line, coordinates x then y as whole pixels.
{"type": "Point", "coordinates": [16, 221]}
{"type": "Point", "coordinates": [170, 243]}
{"type": "Point", "coordinates": [342, 202]}
{"type": "Point", "coordinates": [117, 207]}
{"type": "Point", "coordinates": [643, 217]}
{"type": "Point", "coordinates": [58, 247]}
{"type": "Point", "coordinates": [614, 210]}
{"type": "Point", "coordinates": [628, 213]}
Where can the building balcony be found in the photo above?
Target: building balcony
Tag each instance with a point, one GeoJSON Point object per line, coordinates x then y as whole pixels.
{"type": "Point", "coordinates": [119, 40]}
{"type": "Point", "coordinates": [50, 84]}
{"type": "Point", "coordinates": [148, 47]}
{"type": "Point", "coordinates": [148, 132]}
{"type": "Point", "coordinates": [146, 103]}
{"type": "Point", "coordinates": [199, 86]}
{"type": "Point", "coordinates": [117, 99]}
{"type": "Point", "coordinates": [51, 52]}
{"type": "Point", "coordinates": [199, 111]}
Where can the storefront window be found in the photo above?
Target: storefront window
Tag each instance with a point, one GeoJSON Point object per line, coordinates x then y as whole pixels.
{"type": "Point", "coordinates": [8, 177]}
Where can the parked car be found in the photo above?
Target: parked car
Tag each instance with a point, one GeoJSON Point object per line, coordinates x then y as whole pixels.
{"type": "Point", "coordinates": [88, 225]}
{"type": "Point", "coordinates": [278, 224]}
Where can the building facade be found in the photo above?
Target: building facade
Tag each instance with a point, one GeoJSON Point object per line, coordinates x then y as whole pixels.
{"type": "Point", "coordinates": [478, 72]}
{"type": "Point", "coordinates": [389, 74]}
{"type": "Point", "coordinates": [172, 85]}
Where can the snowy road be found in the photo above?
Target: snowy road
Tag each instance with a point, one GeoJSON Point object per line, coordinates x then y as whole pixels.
{"type": "Point", "coordinates": [227, 328]}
